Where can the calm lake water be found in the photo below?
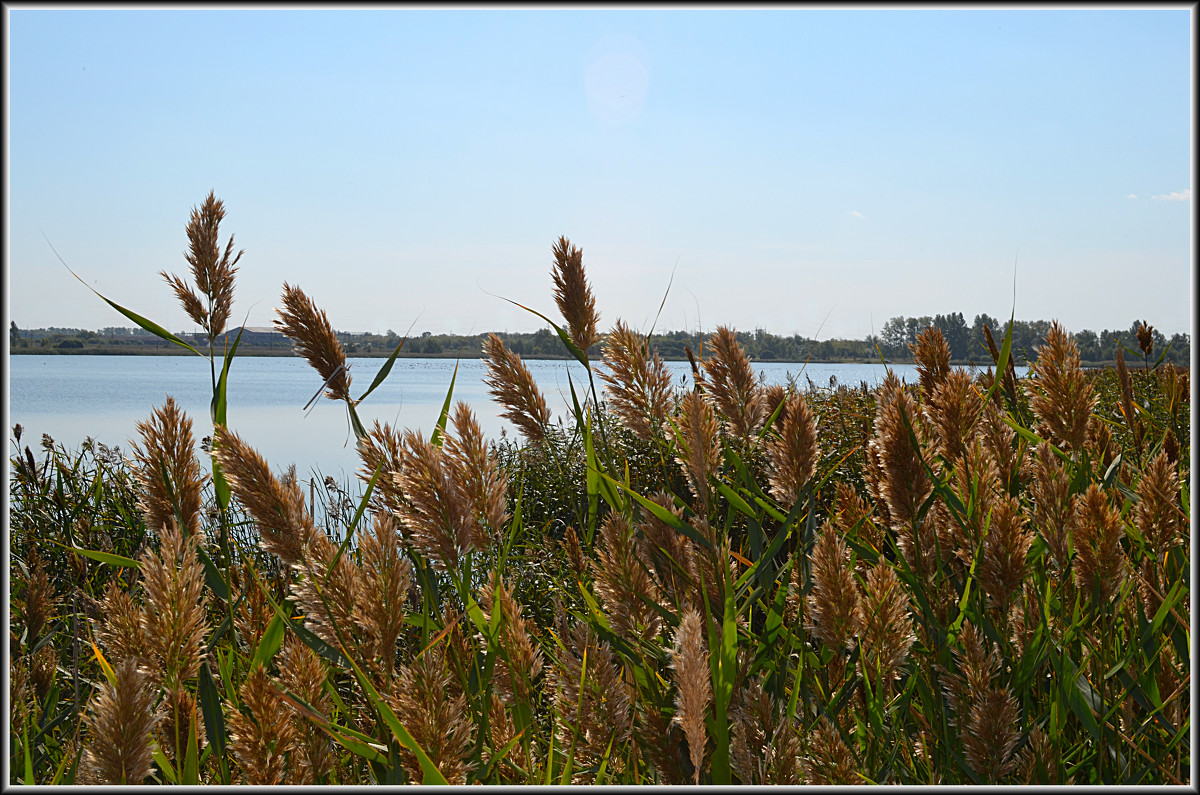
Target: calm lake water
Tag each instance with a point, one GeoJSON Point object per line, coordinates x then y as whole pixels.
{"type": "Point", "coordinates": [74, 397]}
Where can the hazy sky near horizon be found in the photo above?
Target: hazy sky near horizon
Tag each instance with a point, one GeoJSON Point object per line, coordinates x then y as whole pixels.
{"type": "Point", "coordinates": [801, 170]}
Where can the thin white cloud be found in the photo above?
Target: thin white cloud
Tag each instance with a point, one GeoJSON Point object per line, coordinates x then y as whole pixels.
{"type": "Point", "coordinates": [1131, 196]}
{"type": "Point", "coordinates": [855, 213]}
{"type": "Point", "coordinates": [1175, 196]}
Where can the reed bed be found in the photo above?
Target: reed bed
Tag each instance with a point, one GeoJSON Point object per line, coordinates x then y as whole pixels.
{"type": "Point", "coordinates": [967, 580]}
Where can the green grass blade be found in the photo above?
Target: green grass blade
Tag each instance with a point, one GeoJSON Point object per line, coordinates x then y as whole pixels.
{"type": "Point", "coordinates": [439, 429]}
{"type": "Point", "coordinates": [164, 764]}
{"type": "Point", "coordinates": [214, 719]}
{"type": "Point", "coordinates": [191, 760]}
{"type": "Point", "coordinates": [580, 356]}
{"type": "Point", "coordinates": [667, 517]}
{"type": "Point", "coordinates": [383, 371]}
{"type": "Point", "coordinates": [268, 645]}
{"type": "Point", "coordinates": [723, 684]}
{"type": "Point", "coordinates": [148, 325]}
{"type": "Point", "coordinates": [104, 557]}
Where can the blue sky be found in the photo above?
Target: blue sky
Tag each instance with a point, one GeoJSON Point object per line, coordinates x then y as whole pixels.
{"type": "Point", "coordinates": [804, 171]}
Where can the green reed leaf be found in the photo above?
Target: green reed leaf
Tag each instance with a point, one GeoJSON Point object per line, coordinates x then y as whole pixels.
{"type": "Point", "coordinates": [580, 356]}
{"type": "Point", "coordinates": [148, 325]}
{"type": "Point", "coordinates": [164, 764]}
{"type": "Point", "coordinates": [439, 428]}
{"type": "Point", "coordinates": [667, 517]}
{"type": "Point", "coordinates": [190, 775]}
{"type": "Point", "coordinates": [214, 719]}
{"type": "Point", "coordinates": [383, 371]}
{"type": "Point", "coordinates": [270, 642]}
{"type": "Point", "coordinates": [104, 557]}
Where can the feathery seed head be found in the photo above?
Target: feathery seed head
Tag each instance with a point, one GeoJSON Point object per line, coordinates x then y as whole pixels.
{"type": "Point", "coordinates": [1157, 515]}
{"type": "Point", "coordinates": [573, 295]}
{"type": "Point", "coordinates": [793, 453]}
{"type": "Point", "coordinates": [212, 271]}
{"type": "Point", "coordinates": [120, 720]}
{"type": "Point", "coordinates": [887, 631]}
{"type": "Point", "coordinates": [313, 338]}
{"type": "Point", "coordinates": [512, 386]}
{"type": "Point", "coordinates": [733, 386]}
{"type": "Point", "coordinates": [171, 449]}
{"type": "Point", "coordinates": [932, 355]}
{"type": "Point", "coordinates": [637, 382]}
{"type": "Point", "coordinates": [835, 604]}
{"type": "Point", "coordinates": [1100, 563]}
{"type": "Point", "coordinates": [689, 658]}
{"type": "Point", "coordinates": [695, 436]}
{"type": "Point", "coordinates": [1060, 394]}
{"type": "Point", "coordinates": [174, 622]}
{"type": "Point", "coordinates": [1145, 338]}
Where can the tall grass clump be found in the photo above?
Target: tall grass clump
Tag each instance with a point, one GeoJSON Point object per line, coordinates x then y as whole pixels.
{"type": "Point", "coordinates": [971, 579]}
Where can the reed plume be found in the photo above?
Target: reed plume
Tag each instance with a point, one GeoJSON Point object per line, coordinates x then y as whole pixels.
{"type": "Point", "coordinates": [484, 485]}
{"type": "Point", "coordinates": [169, 473]}
{"type": "Point", "coordinates": [436, 513]}
{"type": "Point", "coordinates": [302, 673]}
{"type": "Point", "coordinates": [835, 604]}
{"type": "Point", "coordinates": [1156, 514]}
{"type": "Point", "coordinates": [1039, 761]}
{"type": "Point", "coordinates": [829, 760]}
{"type": "Point", "coordinates": [772, 396]}
{"type": "Point", "coordinates": [599, 713]}
{"type": "Point", "coordinates": [975, 667]}
{"type": "Point", "coordinates": [1001, 441]}
{"type": "Point", "coordinates": [1100, 564]}
{"type": "Point", "coordinates": [1126, 384]}
{"type": "Point", "coordinates": [693, 681]}
{"type": "Point", "coordinates": [887, 632]}
{"type": "Point", "coordinates": [1002, 568]}
{"type": "Point", "coordinates": [637, 382]}
{"type": "Point", "coordinates": [991, 736]}
{"type": "Point", "coordinates": [39, 598]}
{"type": "Point", "coordinates": [1010, 372]}
{"type": "Point", "coordinates": [793, 453]}
{"type": "Point", "coordinates": [433, 709]}
{"type": "Point", "coordinates": [120, 720]}
{"type": "Point", "coordinates": [574, 552]}
{"type": "Point", "coordinates": [262, 736]}
{"type": "Point", "coordinates": [622, 579]}
{"type": "Point", "coordinates": [695, 437]}
{"type": "Point", "coordinates": [732, 384]}
{"type": "Point", "coordinates": [286, 529]}
{"type": "Point", "coordinates": [904, 482]}
{"type": "Point", "coordinates": [672, 553]}
{"type": "Point", "coordinates": [174, 622]}
{"type": "Point", "coordinates": [381, 449]}
{"type": "Point", "coordinates": [932, 355]}
{"type": "Point", "coordinates": [512, 386]}
{"type": "Point", "coordinates": [952, 410]}
{"type": "Point", "coordinates": [1145, 338]}
{"type": "Point", "coordinates": [1060, 394]}
{"type": "Point", "coordinates": [1053, 503]}
{"type": "Point", "coordinates": [284, 525]}
{"type": "Point", "coordinates": [853, 517]}
{"type": "Point", "coordinates": [766, 745]}
{"type": "Point", "coordinates": [212, 271]}
{"type": "Point", "coordinates": [119, 629]}
{"type": "Point", "coordinates": [387, 575]}
{"type": "Point", "coordinates": [573, 295]}
{"type": "Point", "coordinates": [313, 338]}
{"type": "Point", "coordinates": [521, 663]}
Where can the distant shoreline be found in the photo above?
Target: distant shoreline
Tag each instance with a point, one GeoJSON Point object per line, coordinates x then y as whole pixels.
{"type": "Point", "coordinates": [243, 350]}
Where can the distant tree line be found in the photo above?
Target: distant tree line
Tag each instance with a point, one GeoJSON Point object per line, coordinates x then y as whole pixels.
{"type": "Point", "coordinates": [967, 343]}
